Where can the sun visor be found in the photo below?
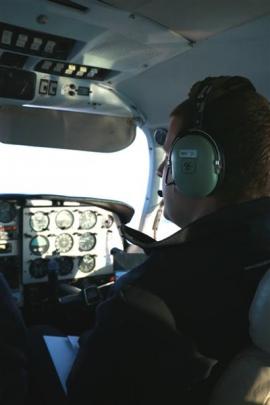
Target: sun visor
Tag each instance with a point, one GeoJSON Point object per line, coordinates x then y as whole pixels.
{"type": "Point", "coordinates": [65, 129]}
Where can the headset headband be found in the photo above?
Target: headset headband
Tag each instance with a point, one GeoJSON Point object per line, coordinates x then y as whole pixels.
{"type": "Point", "coordinates": [200, 104]}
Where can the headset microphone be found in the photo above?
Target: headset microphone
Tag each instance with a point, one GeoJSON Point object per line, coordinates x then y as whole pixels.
{"type": "Point", "coordinates": [160, 193]}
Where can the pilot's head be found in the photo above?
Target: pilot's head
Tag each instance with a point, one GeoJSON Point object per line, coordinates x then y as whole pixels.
{"type": "Point", "coordinates": [217, 149]}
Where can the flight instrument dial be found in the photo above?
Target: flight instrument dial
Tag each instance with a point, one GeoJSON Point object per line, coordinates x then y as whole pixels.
{"type": "Point", "coordinates": [64, 219]}
{"type": "Point", "coordinates": [39, 245]}
{"type": "Point", "coordinates": [88, 219]}
{"type": "Point", "coordinates": [7, 212]}
{"type": "Point", "coordinates": [39, 221]}
{"type": "Point", "coordinates": [63, 243]}
{"type": "Point", "coordinates": [87, 242]}
{"type": "Point", "coordinates": [87, 264]}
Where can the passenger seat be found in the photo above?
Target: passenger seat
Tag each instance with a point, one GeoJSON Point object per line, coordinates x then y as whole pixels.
{"type": "Point", "coordinates": [246, 381]}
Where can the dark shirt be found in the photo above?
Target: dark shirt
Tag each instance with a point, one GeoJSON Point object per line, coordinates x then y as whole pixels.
{"type": "Point", "coordinates": [206, 274]}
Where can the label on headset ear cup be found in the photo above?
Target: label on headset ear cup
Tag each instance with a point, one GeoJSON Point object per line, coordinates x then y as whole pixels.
{"type": "Point", "coordinates": [188, 166]}
{"type": "Point", "coordinates": [193, 158]}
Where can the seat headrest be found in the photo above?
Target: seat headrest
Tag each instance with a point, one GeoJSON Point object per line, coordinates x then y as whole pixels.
{"type": "Point", "coordinates": [259, 315]}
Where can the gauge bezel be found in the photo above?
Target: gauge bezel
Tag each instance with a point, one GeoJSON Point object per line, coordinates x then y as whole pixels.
{"type": "Point", "coordinates": [56, 242]}
{"type": "Point", "coordinates": [39, 237]}
{"type": "Point", "coordinates": [12, 212]}
{"type": "Point", "coordinates": [84, 235]}
{"type": "Point", "coordinates": [84, 213]}
{"type": "Point", "coordinates": [70, 214]}
{"type": "Point", "coordinates": [108, 221]}
{"type": "Point", "coordinates": [44, 216]}
{"type": "Point", "coordinates": [93, 258]}
{"type": "Point", "coordinates": [42, 264]}
{"type": "Point", "coordinates": [66, 260]}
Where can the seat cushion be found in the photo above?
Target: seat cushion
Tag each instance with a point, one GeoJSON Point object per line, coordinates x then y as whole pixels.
{"type": "Point", "coordinates": [246, 381]}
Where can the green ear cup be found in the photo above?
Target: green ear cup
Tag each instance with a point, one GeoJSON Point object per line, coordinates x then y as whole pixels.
{"type": "Point", "coordinates": [196, 164]}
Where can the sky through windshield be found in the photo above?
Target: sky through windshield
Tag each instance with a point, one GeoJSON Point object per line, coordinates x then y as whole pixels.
{"type": "Point", "coordinates": [119, 175]}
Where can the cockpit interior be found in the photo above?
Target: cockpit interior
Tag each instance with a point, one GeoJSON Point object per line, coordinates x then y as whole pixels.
{"type": "Point", "coordinates": [93, 77]}
{"type": "Point", "coordinates": [85, 75]}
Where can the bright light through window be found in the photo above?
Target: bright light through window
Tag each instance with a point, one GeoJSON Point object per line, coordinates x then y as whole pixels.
{"type": "Point", "coordinates": [120, 176]}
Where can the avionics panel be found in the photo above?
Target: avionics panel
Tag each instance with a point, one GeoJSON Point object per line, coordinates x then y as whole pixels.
{"type": "Point", "coordinates": [8, 228]}
{"type": "Point", "coordinates": [10, 260]}
{"type": "Point", "coordinates": [74, 241]}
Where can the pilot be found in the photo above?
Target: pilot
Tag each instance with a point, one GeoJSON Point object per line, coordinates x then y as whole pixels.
{"type": "Point", "coordinates": [175, 321]}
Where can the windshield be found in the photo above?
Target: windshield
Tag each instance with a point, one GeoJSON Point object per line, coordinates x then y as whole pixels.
{"type": "Point", "coordinates": [118, 176]}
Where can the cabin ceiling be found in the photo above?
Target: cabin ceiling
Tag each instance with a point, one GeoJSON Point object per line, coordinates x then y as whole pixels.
{"type": "Point", "coordinates": [242, 51]}
{"type": "Point", "coordinates": [153, 50]}
{"type": "Point", "coordinates": [196, 19]}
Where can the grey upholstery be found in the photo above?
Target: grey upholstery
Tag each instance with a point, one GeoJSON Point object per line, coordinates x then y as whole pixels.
{"type": "Point", "coordinates": [259, 315]}
{"type": "Point", "coordinates": [247, 379]}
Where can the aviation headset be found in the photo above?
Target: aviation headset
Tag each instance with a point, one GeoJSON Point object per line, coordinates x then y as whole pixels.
{"type": "Point", "coordinates": [196, 163]}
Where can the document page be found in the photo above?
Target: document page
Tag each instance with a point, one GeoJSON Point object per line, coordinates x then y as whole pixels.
{"type": "Point", "coordinates": [63, 351]}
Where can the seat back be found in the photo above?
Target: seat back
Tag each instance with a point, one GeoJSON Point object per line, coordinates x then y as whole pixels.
{"type": "Point", "coordinates": [246, 381]}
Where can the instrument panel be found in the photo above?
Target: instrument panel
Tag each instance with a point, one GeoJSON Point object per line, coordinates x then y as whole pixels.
{"type": "Point", "coordinates": [72, 239]}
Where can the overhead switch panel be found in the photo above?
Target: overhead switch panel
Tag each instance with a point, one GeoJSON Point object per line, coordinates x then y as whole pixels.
{"type": "Point", "coordinates": [18, 39]}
